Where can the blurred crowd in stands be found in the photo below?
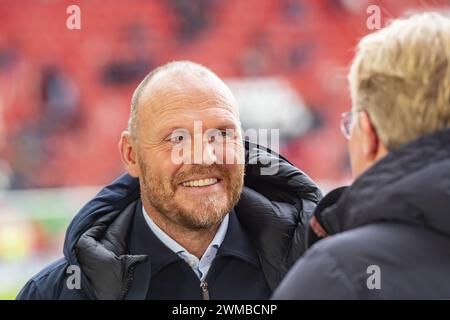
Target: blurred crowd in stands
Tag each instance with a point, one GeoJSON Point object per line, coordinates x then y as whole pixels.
{"type": "Point", "coordinates": [65, 94]}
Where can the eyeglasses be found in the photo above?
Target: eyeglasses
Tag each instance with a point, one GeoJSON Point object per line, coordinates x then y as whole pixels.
{"type": "Point", "coordinates": [346, 124]}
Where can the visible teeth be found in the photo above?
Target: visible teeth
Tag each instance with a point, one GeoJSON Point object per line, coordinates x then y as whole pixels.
{"type": "Point", "coordinates": [200, 183]}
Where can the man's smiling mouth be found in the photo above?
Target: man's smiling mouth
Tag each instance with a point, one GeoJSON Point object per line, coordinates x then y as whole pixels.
{"type": "Point", "coordinates": [200, 182]}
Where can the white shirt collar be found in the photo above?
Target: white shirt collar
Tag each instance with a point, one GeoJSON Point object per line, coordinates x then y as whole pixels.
{"type": "Point", "coordinates": [200, 267]}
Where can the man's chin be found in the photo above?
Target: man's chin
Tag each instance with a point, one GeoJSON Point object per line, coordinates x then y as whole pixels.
{"type": "Point", "coordinates": [203, 214]}
{"type": "Point", "coordinates": [204, 209]}
{"type": "Point", "coordinates": [194, 201]}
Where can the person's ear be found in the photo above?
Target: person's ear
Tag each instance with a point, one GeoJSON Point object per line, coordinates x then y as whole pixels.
{"type": "Point", "coordinates": [371, 141]}
{"type": "Point", "coordinates": [128, 154]}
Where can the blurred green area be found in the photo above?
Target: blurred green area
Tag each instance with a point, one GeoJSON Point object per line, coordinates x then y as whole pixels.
{"type": "Point", "coordinates": [32, 229]}
{"type": "Point", "coordinates": [10, 294]}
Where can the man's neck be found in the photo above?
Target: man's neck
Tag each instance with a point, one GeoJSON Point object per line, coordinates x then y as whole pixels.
{"type": "Point", "coordinates": [194, 241]}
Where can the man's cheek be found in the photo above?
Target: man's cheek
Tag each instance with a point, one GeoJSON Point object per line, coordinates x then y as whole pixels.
{"type": "Point", "coordinates": [230, 155]}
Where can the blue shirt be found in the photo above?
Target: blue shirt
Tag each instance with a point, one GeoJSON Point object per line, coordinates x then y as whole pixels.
{"type": "Point", "coordinates": [200, 267]}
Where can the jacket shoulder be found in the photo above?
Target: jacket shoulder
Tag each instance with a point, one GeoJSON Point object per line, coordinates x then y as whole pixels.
{"type": "Point", "coordinates": [317, 275]}
{"type": "Point", "coordinates": [333, 268]}
{"type": "Point", "coordinates": [49, 284]}
{"type": "Point", "coordinates": [346, 265]}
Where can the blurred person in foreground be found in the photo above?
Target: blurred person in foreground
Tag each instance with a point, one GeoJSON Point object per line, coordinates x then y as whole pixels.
{"type": "Point", "coordinates": [195, 229]}
{"type": "Point", "coordinates": [387, 236]}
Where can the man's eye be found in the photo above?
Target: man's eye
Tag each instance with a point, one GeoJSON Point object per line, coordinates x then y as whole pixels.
{"type": "Point", "coordinates": [225, 133]}
{"type": "Point", "coordinates": [220, 134]}
{"type": "Point", "coordinates": [177, 138]}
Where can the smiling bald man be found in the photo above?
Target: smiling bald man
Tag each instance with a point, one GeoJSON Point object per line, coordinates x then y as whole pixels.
{"type": "Point", "coordinates": [184, 222]}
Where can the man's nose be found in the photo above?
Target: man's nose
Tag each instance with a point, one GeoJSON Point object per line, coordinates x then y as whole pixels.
{"type": "Point", "coordinates": [209, 153]}
{"type": "Point", "coordinates": [204, 151]}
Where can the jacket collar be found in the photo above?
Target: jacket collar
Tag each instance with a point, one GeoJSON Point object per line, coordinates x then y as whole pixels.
{"type": "Point", "coordinates": [237, 243]}
{"type": "Point", "coordinates": [143, 241]}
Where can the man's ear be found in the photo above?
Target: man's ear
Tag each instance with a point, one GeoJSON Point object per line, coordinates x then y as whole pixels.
{"type": "Point", "coordinates": [128, 154]}
{"type": "Point", "coordinates": [371, 142]}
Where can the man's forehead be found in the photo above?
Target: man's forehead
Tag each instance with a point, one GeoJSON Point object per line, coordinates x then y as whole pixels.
{"type": "Point", "coordinates": [189, 88]}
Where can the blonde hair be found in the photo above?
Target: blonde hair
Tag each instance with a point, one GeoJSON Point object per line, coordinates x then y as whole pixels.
{"type": "Point", "coordinates": [401, 77]}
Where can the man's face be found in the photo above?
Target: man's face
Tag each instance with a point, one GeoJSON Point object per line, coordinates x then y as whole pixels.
{"type": "Point", "coordinates": [355, 147]}
{"type": "Point", "coordinates": [199, 192]}
{"type": "Point", "coordinates": [365, 148]}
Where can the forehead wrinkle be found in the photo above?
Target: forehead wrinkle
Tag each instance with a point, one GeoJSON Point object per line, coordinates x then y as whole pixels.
{"type": "Point", "coordinates": [226, 118]}
{"type": "Point", "coordinates": [180, 100]}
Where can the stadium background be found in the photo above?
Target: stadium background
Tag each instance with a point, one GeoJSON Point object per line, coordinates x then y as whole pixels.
{"type": "Point", "coordinates": [65, 94]}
